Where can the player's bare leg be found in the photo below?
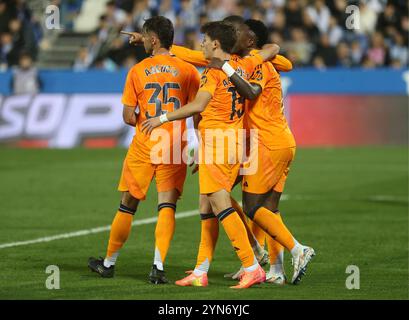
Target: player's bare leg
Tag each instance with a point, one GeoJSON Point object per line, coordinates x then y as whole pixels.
{"type": "Point", "coordinates": [120, 229]}
{"type": "Point", "coordinates": [165, 229]}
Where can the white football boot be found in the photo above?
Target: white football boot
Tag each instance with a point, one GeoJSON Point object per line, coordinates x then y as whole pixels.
{"type": "Point", "coordinates": [262, 257]}
{"type": "Point", "coordinates": [276, 278]}
{"type": "Point", "coordinates": [235, 275]}
{"type": "Point", "coordinates": [300, 263]}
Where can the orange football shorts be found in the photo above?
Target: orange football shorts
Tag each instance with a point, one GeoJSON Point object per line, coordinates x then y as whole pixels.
{"type": "Point", "coordinates": [137, 175]}
{"type": "Point", "coordinates": [272, 171]}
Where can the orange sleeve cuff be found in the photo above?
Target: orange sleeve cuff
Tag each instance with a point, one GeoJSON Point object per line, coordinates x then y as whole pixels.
{"type": "Point", "coordinates": [281, 63]}
{"type": "Point", "coordinates": [128, 102]}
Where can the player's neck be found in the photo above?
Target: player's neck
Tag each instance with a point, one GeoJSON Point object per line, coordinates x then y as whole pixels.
{"type": "Point", "coordinates": [246, 52]}
{"type": "Point", "coordinates": [222, 55]}
{"type": "Point", "coordinates": [160, 51]}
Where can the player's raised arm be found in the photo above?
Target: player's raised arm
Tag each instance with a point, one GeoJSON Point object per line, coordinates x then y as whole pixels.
{"type": "Point", "coordinates": [194, 57]}
{"type": "Point", "coordinates": [281, 63]}
{"type": "Point", "coordinates": [196, 106]}
{"type": "Point", "coordinates": [246, 89]}
{"type": "Point", "coordinates": [269, 51]}
{"type": "Point", "coordinates": [135, 38]}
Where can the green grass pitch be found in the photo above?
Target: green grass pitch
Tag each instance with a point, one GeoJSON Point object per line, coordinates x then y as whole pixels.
{"type": "Point", "coordinates": [350, 204]}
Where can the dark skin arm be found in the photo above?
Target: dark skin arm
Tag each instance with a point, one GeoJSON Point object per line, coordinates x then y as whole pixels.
{"type": "Point", "coordinates": [246, 89]}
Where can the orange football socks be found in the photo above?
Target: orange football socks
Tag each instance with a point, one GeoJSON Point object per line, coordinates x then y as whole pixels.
{"type": "Point", "coordinates": [236, 232]}
{"type": "Point", "coordinates": [208, 239]}
{"type": "Point", "coordinates": [243, 218]}
{"type": "Point", "coordinates": [276, 254]}
{"type": "Point", "coordinates": [120, 229]}
{"type": "Point", "coordinates": [273, 225]}
{"type": "Point", "coordinates": [275, 249]}
{"type": "Point", "coordinates": [165, 229]}
{"type": "Point", "coordinates": [258, 233]}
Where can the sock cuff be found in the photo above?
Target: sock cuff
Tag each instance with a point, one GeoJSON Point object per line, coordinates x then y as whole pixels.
{"type": "Point", "coordinates": [205, 216]}
{"type": "Point", "coordinates": [252, 212]}
{"type": "Point", "coordinates": [166, 205]}
{"type": "Point", "coordinates": [225, 213]}
{"type": "Point", "coordinates": [123, 208]}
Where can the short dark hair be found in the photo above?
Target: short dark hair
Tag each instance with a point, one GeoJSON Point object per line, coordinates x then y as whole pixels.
{"type": "Point", "coordinates": [223, 32]}
{"type": "Point", "coordinates": [234, 20]}
{"type": "Point", "coordinates": [260, 30]}
{"type": "Point", "coordinates": [163, 28]}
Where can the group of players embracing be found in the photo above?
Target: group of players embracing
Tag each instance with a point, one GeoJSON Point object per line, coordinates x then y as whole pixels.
{"type": "Point", "coordinates": [239, 90]}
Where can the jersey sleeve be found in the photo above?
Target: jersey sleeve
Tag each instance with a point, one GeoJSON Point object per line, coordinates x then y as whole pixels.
{"type": "Point", "coordinates": [281, 63]}
{"type": "Point", "coordinates": [194, 57]}
{"type": "Point", "coordinates": [209, 81]}
{"type": "Point", "coordinates": [130, 94]}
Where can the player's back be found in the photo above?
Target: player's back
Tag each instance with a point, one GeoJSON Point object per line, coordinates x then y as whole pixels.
{"type": "Point", "coordinates": [162, 83]}
{"type": "Point", "coordinates": [266, 113]}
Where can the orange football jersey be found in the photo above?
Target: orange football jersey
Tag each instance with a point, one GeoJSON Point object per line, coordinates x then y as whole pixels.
{"type": "Point", "coordinates": [226, 108]}
{"type": "Point", "coordinates": [156, 85]}
{"type": "Point", "coordinates": [266, 113]}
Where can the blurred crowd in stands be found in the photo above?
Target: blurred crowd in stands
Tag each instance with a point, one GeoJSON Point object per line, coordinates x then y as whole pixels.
{"type": "Point", "coordinates": [19, 32]}
{"type": "Point", "coordinates": [309, 32]}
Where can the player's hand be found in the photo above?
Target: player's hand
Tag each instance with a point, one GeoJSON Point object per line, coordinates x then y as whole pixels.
{"type": "Point", "coordinates": [216, 63]}
{"type": "Point", "coordinates": [150, 124]}
{"type": "Point", "coordinates": [272, 46]}
{"type": "Point", "coordinates": [134, 37]}
{"type": "Point", "coordinates": [193, 160]}
{"type": "Point", "coordinates": [268, 45]}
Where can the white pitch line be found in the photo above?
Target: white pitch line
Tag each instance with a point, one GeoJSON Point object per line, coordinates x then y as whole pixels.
{"type": "Point", "coordinates": [86, 232]}
{"type": "Point", "coordinates": [180, 215]}
{"type": "Point", "coordinates": [374, 198]}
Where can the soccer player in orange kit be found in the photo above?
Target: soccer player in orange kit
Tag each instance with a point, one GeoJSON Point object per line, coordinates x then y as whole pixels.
{"type": "Point", "coordinates": [276, 150]}
{"type": "Point", "coordinates": [158, 84]}
{"type": "Point", "coordinates": [221, 110]}
{"type": "Point", "coordinates": [255, 234]}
